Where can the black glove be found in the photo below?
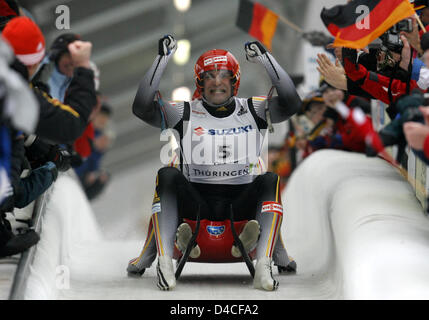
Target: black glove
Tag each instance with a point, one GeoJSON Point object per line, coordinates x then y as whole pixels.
{"type": "Point", "coordinates": [75, 159]}
{"type": "Point", "coordinates": [253, 49]}
{"type": "Point", "coordinates": [350, 54]}
{"type": "Point", "coordinates": [166, 45]}
{"type": "Point", "coordinates": [39, 152]}
{"type": "Point", "coordinates": [61, 157]}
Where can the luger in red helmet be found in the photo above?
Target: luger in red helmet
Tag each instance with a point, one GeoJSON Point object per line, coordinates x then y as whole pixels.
{"type": "Point", "coordinates": [216, 59]}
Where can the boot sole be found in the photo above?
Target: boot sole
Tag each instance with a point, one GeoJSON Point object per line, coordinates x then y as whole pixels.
{"type": "Point", "coordinates": [183, 236]}
{"type": "Point", "coordinates": [249, 237]}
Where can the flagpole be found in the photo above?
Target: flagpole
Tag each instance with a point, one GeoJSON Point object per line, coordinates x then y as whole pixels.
{"type": "Point", "coordinates": [291, 24]}
{"type": "Point", "coordinates": [420, 23]}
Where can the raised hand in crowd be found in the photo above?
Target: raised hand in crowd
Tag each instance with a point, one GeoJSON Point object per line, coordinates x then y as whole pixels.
{"type": "Point", "coordinates": [80, 52]}
{"type": "Point", "coordinates": [337, 51]}
{"type": "Point", "coordinates": [416, 133]}
{"type": "Point", "coordinates": [333, 74]}
{"type": "Point", "coordinates": [425, 112]}
{"type": "Point", "coordinates": [405, 54]}
{"type": "Point", "coordinates": [413, 37]}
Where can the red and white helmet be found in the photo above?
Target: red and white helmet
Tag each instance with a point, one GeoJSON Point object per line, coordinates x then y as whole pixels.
{"type": "Point", "coordinates": [216, 59]}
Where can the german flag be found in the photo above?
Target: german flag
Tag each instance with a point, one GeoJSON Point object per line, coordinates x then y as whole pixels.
{"type": "Point", "coordinates": [347, 22]}
{"type": "Point", "coordinates": [258, 21]}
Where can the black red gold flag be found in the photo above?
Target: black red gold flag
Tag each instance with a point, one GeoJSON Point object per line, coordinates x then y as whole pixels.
{"type": "Point", "coordinates": [346, 22]}
{"type": "Point", "coordinates": [258, 21]}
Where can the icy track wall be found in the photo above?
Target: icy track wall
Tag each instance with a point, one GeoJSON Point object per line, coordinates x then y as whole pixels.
{"type": "Point", "coordinates": [68, 220]}
{"type": "Point", "coordinates": [349, 219]}
{"type": "Point", "coordinates": [358, 221]}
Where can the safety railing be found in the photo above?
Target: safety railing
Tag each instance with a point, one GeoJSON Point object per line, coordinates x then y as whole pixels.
{"type": "Point", "coordinates": [22, 272]}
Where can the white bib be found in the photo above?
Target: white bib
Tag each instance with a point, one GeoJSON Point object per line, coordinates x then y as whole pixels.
{"type": "Point", "coordinates": [221, 150]}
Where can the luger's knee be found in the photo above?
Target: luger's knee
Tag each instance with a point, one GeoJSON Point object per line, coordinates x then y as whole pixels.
{"type": "Point", "coordinates": [167, 175]}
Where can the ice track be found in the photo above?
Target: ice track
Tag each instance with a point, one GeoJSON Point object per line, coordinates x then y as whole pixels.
{"type": "Point", "coordinates": [352, 224]}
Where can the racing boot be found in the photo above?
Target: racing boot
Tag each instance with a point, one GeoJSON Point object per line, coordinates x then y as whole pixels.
{"type": "Point", "coordinates": [165, 272]}
{"type": "Point", "coordinates": [264, 276]}
{"type": "Point", "coordinates": [290, 268]}
{"type": "Point", "coordinates": [137, 266]}
{"type": "Point", "coordinates": [183, 236]}
{"type": "Point", "coordinates": [249, 237]}
{"type": "Point", "coordinates": [133, 270]}
{"type": "Point", "coordinates": [285, 263]}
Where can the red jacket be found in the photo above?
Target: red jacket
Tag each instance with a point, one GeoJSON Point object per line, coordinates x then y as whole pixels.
{"type": "Point", "coordinates": [83, 144]}
{"type": "Point", "coordinates": [376, 84]}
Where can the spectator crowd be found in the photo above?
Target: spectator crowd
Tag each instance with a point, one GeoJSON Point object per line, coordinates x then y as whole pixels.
{"type": "Point", "coordinates": [53, 119]}
{"type": "Point", "coordinates": [393, 70]}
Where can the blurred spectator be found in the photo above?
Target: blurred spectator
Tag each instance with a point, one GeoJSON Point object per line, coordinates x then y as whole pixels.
{"type": "Point", "coordinates": [332, 74]}
{"type": "Point", "coordinates": [22, 108]}
{"type": "Point", "coordinates": [423, 80]}
{"type": "Point", "coordinates": [280, 163]}
{"type": "Point", "coordinates": [57, 122]}
{"type": "Point", "coordinates": [390, 74]}
{"type": "Point", "coordinates": [423, 12]}
{"type": "Point", "coordinates": [417, 135]}
{"type": "Point", "coordinates": [312, 111]}
{"type": "Point", "coordinates": [19, 109]}
{"type": "Point", "coordinates": [346, 135]}
{"type": "Point", "coordinates": [92, 177]}
{"type": "Point", "coordinates": [84, 144]}
{"type": "Point", "coordinates": [60, 123]}
{"type": "Point", "coordinates": [57, 67]}
{"type": "Point", "coordinates": [408, 108]}
{"type": "Point", "coordinates": [306, 119]}
{"type": "Point", "coordinates": [28, 188]}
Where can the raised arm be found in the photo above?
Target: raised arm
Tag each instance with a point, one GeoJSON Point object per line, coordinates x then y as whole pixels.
{"type": "Point", "coordinates": [144, 106]}
{"type": "Point", "coordinates": [288, 102]}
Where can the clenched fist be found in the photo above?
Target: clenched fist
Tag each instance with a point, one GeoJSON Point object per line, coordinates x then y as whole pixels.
{"type": "Point", "coordinates": [253, 49]}
{"type": "Point", "coordinates": [166, 45]}
{"type": "Point", "coordinates": [80, 52]}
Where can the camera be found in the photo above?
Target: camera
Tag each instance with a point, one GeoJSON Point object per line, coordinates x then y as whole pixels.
{"type": "Point", "coordinates": [391, 39]}
{"type": "Point", "coordinates": [405, 25]}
